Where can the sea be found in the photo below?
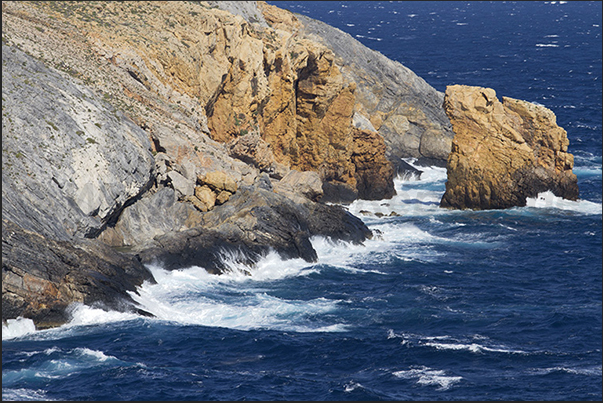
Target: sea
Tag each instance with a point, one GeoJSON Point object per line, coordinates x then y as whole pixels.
{"type": "Point", "coordinates": [439, 305]}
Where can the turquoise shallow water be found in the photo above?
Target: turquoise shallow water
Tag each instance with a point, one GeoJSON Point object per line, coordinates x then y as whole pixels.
{"type": "Point", "coordinates": [440, 305]}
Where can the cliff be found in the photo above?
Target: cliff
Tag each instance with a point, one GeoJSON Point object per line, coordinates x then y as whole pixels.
{"type": "Point", "coordinates": [503, 152]}
{"type": "Point", "coordinates": [172, 131]}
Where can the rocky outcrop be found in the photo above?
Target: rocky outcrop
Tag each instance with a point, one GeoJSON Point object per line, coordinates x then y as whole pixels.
{"type": "Point", "coordinates": [254, 221]}
{"type": "Point", "coordinates": [503, 152]}
{"type": "Point", "coordinates": [41, 277]}
{"type": "Point", "coordinates": [401, 106]}
{"type": "Point", "coordinates": [202, 127]}
{"type": "Point", "coordinates": [66, 155]}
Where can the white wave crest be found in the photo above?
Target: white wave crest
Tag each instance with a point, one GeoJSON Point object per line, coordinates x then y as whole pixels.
{"type": "Point", "coordinates": [472, 347]}
{"type": "Point", "coordinates": [429, 376]}
{"type": "Point", "coordinates": [17, 327]}
{"type": "Point", "coordinates": [549, 200]}
{"type": "Point", "coordinates": [23, 394]}
{"type": "Point", "coordinates": [194, 297]}
{"type": "Point", "coordinates": [591, 371]}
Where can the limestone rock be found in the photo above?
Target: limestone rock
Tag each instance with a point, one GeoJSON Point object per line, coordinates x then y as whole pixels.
{"type": "Point", "coordinates": [503, 152]}
{"type": "Point", "coordinates": [182, 185]}
{"type": "Point", "coordinates": [70, 162]}
{"type": "Point", "coordinates": [405, 110]}
{"type": "Point", "coordinates": [306, 184]}
{"type": "Point", "coordinates": [206, 196]}
{"type": "Point", "coordinates": [253, 150]}
{"type": "Point", "coordinates": [252, 223]}
{"type": "Point", "coordinates": [218, 181]}
{"type": "Point", "coordinates": [374, 173]}
{"type": "Point", "coordinates": [154, 214]}
{"type": "Point", "coordinates": [223, 197]}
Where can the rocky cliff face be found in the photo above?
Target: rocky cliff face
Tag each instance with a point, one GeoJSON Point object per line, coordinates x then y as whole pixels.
{"type": "Point", "coordinates": [503, 152]}
{"type": "Point", "coordinates": [395, 102]}
{"type": "Point", "coordinates": [117, 118]}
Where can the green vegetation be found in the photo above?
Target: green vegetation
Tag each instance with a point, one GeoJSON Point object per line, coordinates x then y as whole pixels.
{"type": "Point", "coordinates": [52, 125]}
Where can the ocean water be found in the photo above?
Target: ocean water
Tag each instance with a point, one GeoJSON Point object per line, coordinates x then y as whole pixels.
{"type": "Point", "coordinates": [439, 305]}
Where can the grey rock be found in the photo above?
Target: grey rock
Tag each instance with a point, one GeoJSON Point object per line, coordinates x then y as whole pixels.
{"type": "Point", "coordinates": [305, 184]}
{"type": "Point", "coordinates": [182, 185]}
{"type": "Point", "coordinates": [361, 122]}
{"type": "Point", "coordinates": [41, 277]}
{"type": "Point", "coordinates": [246, 9]}
{"type": "Point", "coordinates": [153, 215]}
{"type": "Point", "coordinates": [253, 222]}
{"type": "Point", "coordinates": [70, 162]}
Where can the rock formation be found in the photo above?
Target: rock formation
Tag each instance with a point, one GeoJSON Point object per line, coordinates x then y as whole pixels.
{"type": "Point", "coordinates": [174, 131]}
{"type": "Point", "coordinates": [503, 152]}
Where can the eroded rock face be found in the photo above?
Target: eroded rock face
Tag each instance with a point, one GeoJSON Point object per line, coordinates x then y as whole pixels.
{"type": "Point", "coordinates": [41, 277]}
{"type": "Point", "coordinates": [253, 222]}
{"type": "Point", "coordinates": [401, 106]}
{"type": "Point", "coordinates": [503, 152]}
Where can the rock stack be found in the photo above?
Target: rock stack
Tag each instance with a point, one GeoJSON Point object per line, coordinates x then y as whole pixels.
{"type": "Point", "coordinates": [503, 152]}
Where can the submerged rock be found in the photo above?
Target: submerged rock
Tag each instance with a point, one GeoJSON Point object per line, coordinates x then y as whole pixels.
{"type": "Point", "coordinates": [503, 152]}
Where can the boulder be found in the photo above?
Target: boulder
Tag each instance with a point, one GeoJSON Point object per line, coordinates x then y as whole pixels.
{"type": "Point", "coordinates": [503, 152]}
{"type": "Point", "coordinates": [306, 184]}
{"type": "Point", "coordinates": [206, 196]}
{"type": "Point", "coordinates": [218, 181]}
{"type": "Point", "coordinates": [182, 185]}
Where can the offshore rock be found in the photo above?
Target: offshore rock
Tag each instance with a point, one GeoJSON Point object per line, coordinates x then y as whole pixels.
{"type": "Point", "coordinates": [503, 152]}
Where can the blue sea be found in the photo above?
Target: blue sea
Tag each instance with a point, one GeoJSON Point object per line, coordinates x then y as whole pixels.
{"type": "Point", "coordinates": [439, 305]}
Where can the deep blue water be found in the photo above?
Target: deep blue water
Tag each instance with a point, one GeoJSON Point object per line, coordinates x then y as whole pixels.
{"type": "Point", "coordinates": [440, 305]}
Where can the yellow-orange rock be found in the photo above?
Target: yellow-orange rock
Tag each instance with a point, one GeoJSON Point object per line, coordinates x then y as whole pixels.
{"type": "Point", "coordinates": [503, 152]}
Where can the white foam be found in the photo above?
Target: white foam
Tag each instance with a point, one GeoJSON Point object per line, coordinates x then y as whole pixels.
{"type": "Point", "coordinates": [231, 300]}
{"type": "Point", "coordinates": [472, 347]}
{"type": "Point", "coordinates": [414, 197]}
{"type": "Point", "coordinates": [82, 315]}
{"type": "Point", "coordinates": [17, 328]}
{"type": "Point", "coordinates": [23, 394]}
{"type": "Point", "coordinates": [549, 200]}
{"type": "Point", "coordinates": [94, 354]}
{"type": "Point", "coordinates": [351, 386]}
{"type": "Point", "coordinates": [429, 376]}
{"type": "Point", "coordinates": [547, 45]}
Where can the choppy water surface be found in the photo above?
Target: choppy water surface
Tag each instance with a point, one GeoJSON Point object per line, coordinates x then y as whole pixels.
{"type": "Point", "coordinates": [439, 305]}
